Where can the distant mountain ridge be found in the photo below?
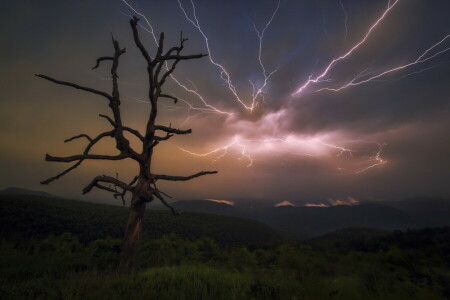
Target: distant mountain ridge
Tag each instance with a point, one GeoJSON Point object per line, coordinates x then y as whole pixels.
{"type": "Point", "coordinates": [22, 191]}
{"type": "Point", "coordinates": [311, 221]}
{"type": "Point", "coordinates": [304, 222]}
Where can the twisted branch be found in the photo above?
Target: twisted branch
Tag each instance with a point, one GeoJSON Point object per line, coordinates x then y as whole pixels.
{"type": "Point", "coordinates": [175, 99]}
{"type": "Point", "coordinates": [172, 130]}
{"type": "Point", "coordinates": [100, 59]}
{"type": "Point", "coordinates": [163, 201]}
{"type": "Point", "coordinates": [124, 128]}
{"type": "Point", "coordinates": [122, 194]}
{"type": "Point", "coordinates": [106, 179]}
{"type": "Point", "coordinates": [86, 152]}
{"type": "Point", "coordinates": [183, 178]}
{"type": "Point", "coordinates": [79, 136]}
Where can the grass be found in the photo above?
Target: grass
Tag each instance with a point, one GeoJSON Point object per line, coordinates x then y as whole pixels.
{"type": "Point", "coordinates": [60, 267]}
{"type": "Point", "coordinates": [38, 262]}
{"type": "Point", "coordinates": [203, 282]}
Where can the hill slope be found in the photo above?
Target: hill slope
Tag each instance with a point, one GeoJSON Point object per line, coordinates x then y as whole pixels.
{"type": "Point", "coordinates": [35, 216]}
{"type": "Point", "coordinates": [304, 222]}
{"type": "Point", "coordinates": [21, 191]}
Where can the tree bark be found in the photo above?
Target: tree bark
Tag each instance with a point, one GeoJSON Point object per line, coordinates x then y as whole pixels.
{"type": "Point", "coordinates": [132, 233]}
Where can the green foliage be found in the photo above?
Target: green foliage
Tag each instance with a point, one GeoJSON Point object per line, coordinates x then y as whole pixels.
{"type": "Point", "coordinates": [60, 267]}
{"type": "Point", "coordinates": [26, 216]}
{"type": "Point", "coordinates": [51, 259]}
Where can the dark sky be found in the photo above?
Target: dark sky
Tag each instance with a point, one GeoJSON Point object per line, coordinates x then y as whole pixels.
{"type": "Point", "coordinates": [386, 138]}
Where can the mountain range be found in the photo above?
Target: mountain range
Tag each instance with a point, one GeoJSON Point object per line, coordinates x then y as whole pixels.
{"type": "Point", "coordinates": [305, 222]}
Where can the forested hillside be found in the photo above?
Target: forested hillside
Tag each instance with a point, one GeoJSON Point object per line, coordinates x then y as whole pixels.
{"type": "Point", "coordinates": [62, 249]}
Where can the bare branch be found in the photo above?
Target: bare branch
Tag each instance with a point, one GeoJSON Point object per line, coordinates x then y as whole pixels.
{"type": "Point", "coordinates": [163, 201]}
{"type": "Point", "coordinates": [47, 181]}
{"type": "Point", "coordinates": [80, 159]}
{"type": "Point", "coordinates": [172, 130]}
{"type": "Point", "coordinates": [108, 179]}
{"type": "Point", "coordinates": [102, 187]}
{"type": "Point", "coordinates": [111, 121]}
{"type": "Point", "coordinates": [157, 139]}
{"type": "Point", "coordinates": [137, 40]}
{"type": "Point", "coordinates": [79, 87]}
{"type": "Point", "coordinates": [183, 178]}
{"type": "Point", "coordinates": [177, 49]}
{"type": "Point", "coordinates": [160, 65]}
{"type": "Point", "coordinates": [161, 192]}
{"type": "Point", "coordinates": [154, 144]}
{"type": "Point", "coordinates": [169, 56]}
{"type": "Point", "coordinates": [84, 156]}
{"type": "Point", "coordinates": [173, 49]}
{"type": "Point", "coordinates": [124, 128]}
{"type": "Point", "coordinates": [135, 132]}
{"type": "Point", "coordinates": [79, 136]}
{"type": "Point", "coordinates": [100, 59]}
{"type": "Point", "coordinates": [122, 143]}
{"type": "Point", "coordinates": [115, 92]}
{"type": "Point", "coordinates": [175, 99]}
{"type": "Point", "coordinates": [123, 193]}
{"type": "Point", "coordinates": [183, 57]}
{"type": "Point", "coordinates": [133, 181]}
{"type": "Point", "coordinates": [168, 72]}
{"type": "Point", "coordinates": [86, 151]}
{"type": "Point", "coordinates": [160, 46]}
{"type": "Point", "coordinates": [164, 138]}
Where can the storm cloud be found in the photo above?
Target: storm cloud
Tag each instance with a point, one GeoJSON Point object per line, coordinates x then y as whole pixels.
{"type": "Point", "coordinates": [282, 149]}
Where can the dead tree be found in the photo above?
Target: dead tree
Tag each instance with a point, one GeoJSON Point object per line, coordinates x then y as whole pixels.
{"type": "Point", "coordinates": [143, 187]}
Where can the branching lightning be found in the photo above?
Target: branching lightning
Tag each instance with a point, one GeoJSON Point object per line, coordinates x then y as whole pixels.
{"type": "Point", "coordinates": [247, 149]}
{"type": "Point", "coordinates": [364, 77]}
{"type": "Point", "coordinates": [224, 74]}
{"type": "Point", "coordinates": [209, 107]}
{"type": "Point", "coordinates": [370, 162]}
{"type": "Point", "coordinates": [345, 18]}
{"type": "Point", "coordinates": [422, 58]}
{"type": "Point", "coordinates": [294, 146]}
{"type": "Point", "coordinates": [330, 66]}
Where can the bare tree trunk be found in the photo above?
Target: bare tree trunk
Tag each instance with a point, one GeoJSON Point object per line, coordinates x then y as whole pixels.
{"type": "Point", "coordinates": [132, 233]}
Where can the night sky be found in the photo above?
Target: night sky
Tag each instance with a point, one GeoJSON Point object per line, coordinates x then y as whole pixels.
{"type": "Point", "coordinates": [386, 138]}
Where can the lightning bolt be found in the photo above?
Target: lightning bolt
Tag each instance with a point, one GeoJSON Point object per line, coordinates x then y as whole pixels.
{"type": "Point", "coordinates": [373, 161]}
{"type": "Point", "coordinates": [224, 74]}
{"type": "Point", "coordinates": [222, 151]}
{"type": "Point", "coordinates": [209, 107]}
{"type": "Point", "coordinates": [348, 53]}
{"type": "Point", "coordinates": [345, 18]}
{"type": "Point", "coordinates": [247, 149]}
{"type": "Point", "coordinates": [422, 58]}
{"type": "Point", "coordinates": [300, 145]}
{"type": "Point", "coordinates": [357, 79]}
{"type": "Point", "coordinates": [342, 150]}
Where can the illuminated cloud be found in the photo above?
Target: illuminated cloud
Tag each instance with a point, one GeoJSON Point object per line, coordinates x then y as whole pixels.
{"type": "Point", "coordinates": [343, 201]}
{"type": "Point", "coordinates": [334, 202]}
{"type": "Point", "coordinates": [285, 203]}
{"type": "Point", "coordinates": [316, 205]}
{"type": "Point", "coordinates": [222, 201]}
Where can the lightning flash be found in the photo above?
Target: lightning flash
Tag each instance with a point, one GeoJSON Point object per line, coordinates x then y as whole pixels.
{"type": "Point", "coordinates": [244, 144]}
